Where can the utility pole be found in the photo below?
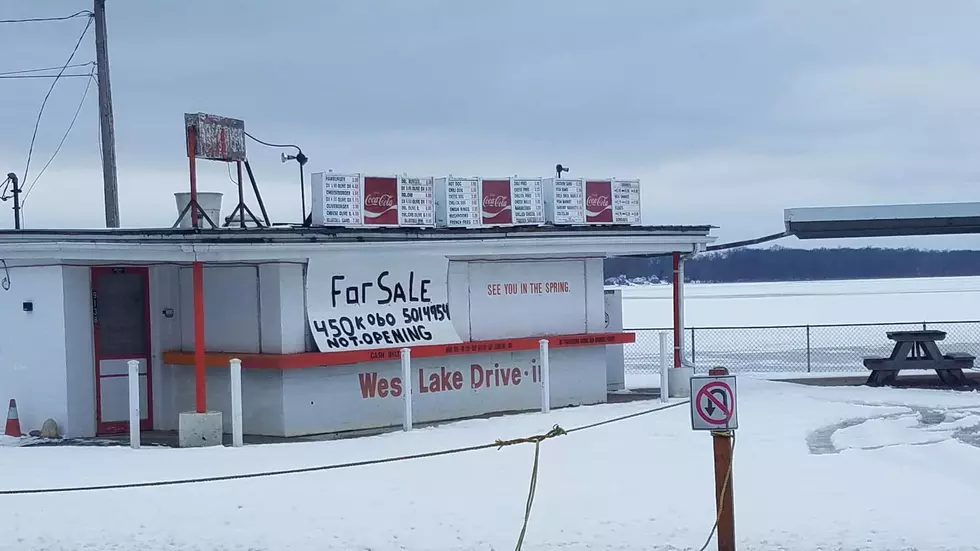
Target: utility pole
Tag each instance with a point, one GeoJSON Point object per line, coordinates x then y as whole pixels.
{"type": "Point", "coordinates": [105, 119]}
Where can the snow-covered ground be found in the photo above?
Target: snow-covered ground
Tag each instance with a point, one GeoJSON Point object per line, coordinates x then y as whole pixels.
{"type": "Point", "coordinates": [815, 468]}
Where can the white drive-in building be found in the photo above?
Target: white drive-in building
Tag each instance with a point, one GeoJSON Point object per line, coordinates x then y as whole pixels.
{"type": "Point", "coordinates": [317, 316]}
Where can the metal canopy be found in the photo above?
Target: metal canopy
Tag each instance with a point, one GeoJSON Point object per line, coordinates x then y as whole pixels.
{"type": "Point", "coordinates": [883, 220]}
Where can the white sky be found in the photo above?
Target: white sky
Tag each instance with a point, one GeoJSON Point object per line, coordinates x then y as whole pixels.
{"type": "Point", "coordinates": [728, 111]}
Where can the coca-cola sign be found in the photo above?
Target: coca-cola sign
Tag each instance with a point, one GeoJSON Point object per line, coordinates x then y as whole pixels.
{"type": "Point", "coordinates": [598, 202]}
{"type": "Point", "coordinates": [380, 201]}
{"type": "Point", "coordinates": [497, 204]}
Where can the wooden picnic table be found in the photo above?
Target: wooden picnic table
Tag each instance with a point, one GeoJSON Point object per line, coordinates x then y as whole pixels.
{"type": "Point", "coordinates": [918, 350]}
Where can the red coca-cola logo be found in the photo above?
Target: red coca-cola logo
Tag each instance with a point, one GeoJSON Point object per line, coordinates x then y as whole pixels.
{"type": "Point", "coordinates": [598, 202]}
{"type": "Point", "coordinates": [380, 201]}
{"type": "Point", "coordinates": [496, 200]}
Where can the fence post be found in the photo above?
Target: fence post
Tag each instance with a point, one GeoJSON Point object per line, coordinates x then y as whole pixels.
{"type": "Point", "coordinates": [407, 386]}
{"type": "Point", "coordinates": [545, 376]}
{"type": "Point", "coordinates": [807, 348]}
{"type": "Point", "coordinates": [134, 404]}
{"type": "Point", "coordinates": [237, 436]}
{"type": "Point", "coordinates": [664, 367]}
{"type": "Point", "coordinates": [923, 326]}
{"type": "Point", "coordinates": [693, 357]}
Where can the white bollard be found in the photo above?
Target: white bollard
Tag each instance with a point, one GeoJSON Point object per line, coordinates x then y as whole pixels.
{"type": "Point", "coordinates": [545, 377]}
{"type": "Point", "coordinates": [237, 438]}
{"type": "Point", "coordinates": [134, 404]}
{"type": "Point", "coordinates": [665, 352]}
{"type": "Point", "coordinates": [407, 386]}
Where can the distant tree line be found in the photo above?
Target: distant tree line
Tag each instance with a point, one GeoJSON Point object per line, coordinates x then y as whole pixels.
{"type": "Point", "coordinates": [784, 264]}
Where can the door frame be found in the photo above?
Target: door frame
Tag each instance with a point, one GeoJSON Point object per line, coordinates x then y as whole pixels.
{"type": "Point", "coordinates": [119, 427]}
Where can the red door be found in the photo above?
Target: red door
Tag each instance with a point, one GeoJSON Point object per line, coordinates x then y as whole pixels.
{"type": "Point", "coordinates": [121, 319]}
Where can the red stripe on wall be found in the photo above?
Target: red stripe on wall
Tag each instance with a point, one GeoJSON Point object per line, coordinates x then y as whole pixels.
{"type": "Point", "coordinates": [318, 359]}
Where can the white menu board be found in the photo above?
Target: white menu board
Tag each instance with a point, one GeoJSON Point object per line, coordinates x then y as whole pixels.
{"type": "Point", "coordinates": [341, 199]}
{"type": "Point", "coordinates": [626, 201]}
{"type": "Point", "coordinates": [416, 203]}
{"type": "Point", "coordinates": [463, 202]}
{"type": "Point", "coordinates": [527, 196]}
{"type": "Point", "coordinates": [569, 207]}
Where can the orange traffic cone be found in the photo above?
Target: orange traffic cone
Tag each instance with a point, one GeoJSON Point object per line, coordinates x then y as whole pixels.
{"type": "Point", "coordinates": [13, 423]}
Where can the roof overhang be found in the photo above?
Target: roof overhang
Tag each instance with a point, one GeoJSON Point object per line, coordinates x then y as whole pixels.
{"type": "Point", "coordinates": [299, 243]}
{"type": "Point", "coordinates": [883, 220]}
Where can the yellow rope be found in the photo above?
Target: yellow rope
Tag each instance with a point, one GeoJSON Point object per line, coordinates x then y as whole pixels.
{"type": "Point", "coordinates": [536, 440]}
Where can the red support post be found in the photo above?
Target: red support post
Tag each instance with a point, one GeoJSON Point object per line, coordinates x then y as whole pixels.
{"type": "Point", "coordinates": [676, 288]}
{"type": "Point", "coordinates": [200, 389]}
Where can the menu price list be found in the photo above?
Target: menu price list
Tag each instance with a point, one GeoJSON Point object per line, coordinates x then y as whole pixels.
{"type": "Point", "coordinates": [463, 202]}
{"type": "Point", "coordinates": [569, 205]}
{"type": "Point", "coordinates": [527, 197]}
{"type": "Point", "coordinates": [341, 199]}
{"type": "Point", "coordinates": [416, 205]}
{"type": "Point", "coordinates": [626, 202]}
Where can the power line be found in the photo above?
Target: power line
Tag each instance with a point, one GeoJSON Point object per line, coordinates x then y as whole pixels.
{"type": "Point", "coordinates": [23, 77]}
{"type": "Point", "coordinates": [37, 123]}
{"type": "Point", "coordinates": [44, 19]}
{"type": "Point", "coordinates": [42, 69]}
{"type": "Point", "coordinates": [74, 118]}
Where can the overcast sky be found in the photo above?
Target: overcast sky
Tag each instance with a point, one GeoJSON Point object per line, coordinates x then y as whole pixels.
{"type": "Point", "coordinates": [728, 111]}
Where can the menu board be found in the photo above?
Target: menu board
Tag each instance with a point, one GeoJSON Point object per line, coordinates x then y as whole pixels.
{"type": "Point", "coordinates": [528, 198]}
{"type": "Point", "coordinates": [416, 204]}
{"type": "Point", "coordinates": [626, 202]}
{"type": "Point", "coordinates": [341, 199]}
{"type": "Point", "coordinates": [569, 207]}
{"type": "Point", "coordinates": [463, 202]}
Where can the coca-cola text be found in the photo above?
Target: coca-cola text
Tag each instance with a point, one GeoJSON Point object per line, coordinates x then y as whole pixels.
{"type": "Point", "coordinates": [383, 200]}
{"type": "Point", "coordinates": [595, 200]}
{"type": "Point", "coordinates": [495, 201]}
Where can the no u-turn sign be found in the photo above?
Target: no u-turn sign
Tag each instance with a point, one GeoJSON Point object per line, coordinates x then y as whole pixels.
{"type": "Point", "coordinates": [713, 403]}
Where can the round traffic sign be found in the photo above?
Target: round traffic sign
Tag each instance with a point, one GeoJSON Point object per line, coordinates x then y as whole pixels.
{"type": "Point", "coordinates": [715, 403]}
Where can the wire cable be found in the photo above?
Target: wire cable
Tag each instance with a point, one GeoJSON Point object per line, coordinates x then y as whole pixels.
{"type": "Point", "coordinates": [37, 123]}
{"type": "Point", "coordinates": [330, 467]}
{"type": "Point", "coordinates": [43, 69]}
{"type": "Point", "coordinates": [45, 19]}
{"type": "Point", "coordinates": [279, 145]}
{"type": "Point", "coordinates": [25, 77]}
{"type": "Point", "coordinates": [71, 125]}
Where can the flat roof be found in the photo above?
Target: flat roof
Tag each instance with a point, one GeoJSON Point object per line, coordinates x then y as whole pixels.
{"type": "Point", "coordinates": [295, 242]}
{"type": "Point", "coordinates": [883, 220]}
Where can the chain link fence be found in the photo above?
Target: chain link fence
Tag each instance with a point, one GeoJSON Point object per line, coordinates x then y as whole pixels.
{"type": "Point", "coordinates": [789, 348]}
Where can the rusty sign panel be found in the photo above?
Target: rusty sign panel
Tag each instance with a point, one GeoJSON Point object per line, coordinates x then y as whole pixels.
{"type": "Point", "coordinates": [218, 138]}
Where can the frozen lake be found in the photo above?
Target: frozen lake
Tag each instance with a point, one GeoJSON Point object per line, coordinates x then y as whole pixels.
{"type": "Point", "coordinates": [817, 326]}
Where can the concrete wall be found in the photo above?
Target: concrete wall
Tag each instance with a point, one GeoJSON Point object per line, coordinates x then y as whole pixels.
{"type": "Point", "coordinates": [47, 364]}
{"type": "Point", "coordinates": [262, 308]}
{"type": "Point", "coordinates": [33, 348]}
{"type": "Point", "coordinates": [249, 309]}
{"type": "Point", "coordinates": [231, 309]}
{"type": "Point", "coordinates": [165, 334]}
{"type": "Point", "coordinates": [79, 352]}
{"type": "Point", "coordinates": [339, 398]}
{"type": "Point", "coordinates": [262, 398]}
